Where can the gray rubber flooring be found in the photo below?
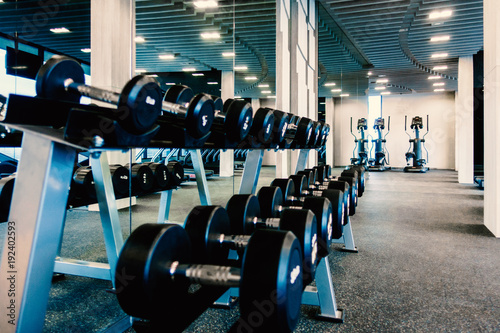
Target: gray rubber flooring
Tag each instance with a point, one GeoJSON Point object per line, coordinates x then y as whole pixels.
{"type": "Point", "coordinates": [426, 263]}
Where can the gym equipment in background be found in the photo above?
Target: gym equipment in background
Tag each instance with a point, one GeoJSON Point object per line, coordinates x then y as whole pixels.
{"type": "Point", "coordinates": [360, 152]}
{"type": "Point", "coordinates": [415, 154]}
{"type": "Point", "coordinates": [381, 160]}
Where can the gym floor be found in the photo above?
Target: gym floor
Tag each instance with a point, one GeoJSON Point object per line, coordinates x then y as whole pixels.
{"type": "Point", "coordinates": [426, 263]}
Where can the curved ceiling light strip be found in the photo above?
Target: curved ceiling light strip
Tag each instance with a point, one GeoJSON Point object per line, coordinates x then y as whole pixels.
{"type": "Point", "coordinates": [401, 87]}
{"type": "Point", "coordinates": [409, 17]}
{"type": "Point", "coordinates": [263, 65]}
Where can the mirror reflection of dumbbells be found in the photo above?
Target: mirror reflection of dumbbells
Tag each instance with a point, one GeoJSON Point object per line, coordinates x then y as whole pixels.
{"type": "Point", "coordinates": [164, 261]}
{"type": "Point", "coordinates": [214, 231]}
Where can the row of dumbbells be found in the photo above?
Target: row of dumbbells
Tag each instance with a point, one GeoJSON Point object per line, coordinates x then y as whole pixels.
{"type": "Point", "coordinates": [143, 109]}
{"type": "Point", "coordinates": [271, 262]}
{"type": "Point", "coordinates": [141, 179]}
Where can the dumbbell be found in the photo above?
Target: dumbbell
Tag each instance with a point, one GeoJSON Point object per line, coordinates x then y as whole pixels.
{"type": "Point", "coordinates": [294, 190]}
{"type": "Point", "coordinates": [332, 184]}
{"type": "Point", "coordinates": [139, 103]}
{"type": "Point", "coordinates": [298, 132]}
{"type": "Point", "coordinates": [6, 189]}
{"type": "Point", "coordinates": [161, 175]}
{"type": "Point", "coordinates": [232, 120]}
{"type": "Point", "coordinates": [280, 126]}
{"type": "Point", "coordinates": [262, 127]}
{"type": "Point", "coordinates": [142, 178]}
{"type": "Point", "coordinates": [82, 184]}
{"type": "Point", "coordinates": [176, 173]}
{"type": "Point", "coordinates": [362, 172]}
{"type": "Point", "coordinates": [271, 206]}
{"type": "Point", "coordinates": [322, 172]}
{"type": "Point", "coordinates": [315, 139]}
{"type": "Point", "coordinates": [214, 231]}
{"type": "Point", "coordinates": [159, 258]}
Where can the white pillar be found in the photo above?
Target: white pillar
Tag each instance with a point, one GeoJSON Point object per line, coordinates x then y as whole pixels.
{"type": "Point", "coordinates": [227, 157]}
{"type": "Point", "coordinates": [491, 116]}
{"type": "Point", "coordinates": [464, 121]}
{"type": "Point", "coordinates": [112, 61]}
{"type": "Point", "coordinates": [296, 68]}
{"type": "Point", "coordinates": [330, 120]}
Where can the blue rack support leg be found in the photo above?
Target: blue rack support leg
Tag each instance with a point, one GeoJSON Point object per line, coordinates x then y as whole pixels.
{"type": "Point", "coordinates": [251, 172]}
{"type": "Point", "coordinates": [201, 177]}
{"type": "Point", "coordinates": [164, 210]}
{"type": "Point", "coordinates": [302, 160]}
{"type": "Point", "coordinates": [323, 294]}
{"type": "Point", "coordinates": [34, 232]}
{"type": "Point", "coordinates": [347, 238]}
{"type": "Point", "coordinates": [113, 237]}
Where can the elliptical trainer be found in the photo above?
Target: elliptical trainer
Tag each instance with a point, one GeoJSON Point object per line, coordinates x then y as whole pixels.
{"type": "Point", "coordinates": [360, 152]}
{"type": "Point", "coordinates": [418, 163]}
{"type": "Point", "coordinates": [381, 160]}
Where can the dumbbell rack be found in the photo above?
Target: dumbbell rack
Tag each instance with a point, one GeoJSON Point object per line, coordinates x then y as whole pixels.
{"type": "Point", "coordinates": [323, 294]}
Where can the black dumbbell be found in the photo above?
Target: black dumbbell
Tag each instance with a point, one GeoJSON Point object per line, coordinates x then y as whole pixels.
{"type": "Point", "coordinates": [298, 132]}
{"type": "Point", "coordinates": [176, 173]}
{"type": "Point", "coordinates": [139, 103]}
{"type": "Point", "coordinates": [294, 190]}
{"type": "Point", "coordinates": [142, 178]}
{"type": "Point", "coordinates": [82, 184]}
{"type": "Point", "coordinates": [214, 231]}
{"type": "Point", "coordinates": [271, 205]}
{"type": "Point", "coordinates": [262, 127]}
{"type": "Point", "coordinates": [161, 175]}
{"type": "Point", "coordinates": [232, 120]}
{"type": "Point", "coordinates": [6, 189]}
{"type": "Point", "coordinates": [332, 184]}
{"type": "Point", "coordinates": [159, 259]}
{"type": "Point", "coordinates": [361, 179]}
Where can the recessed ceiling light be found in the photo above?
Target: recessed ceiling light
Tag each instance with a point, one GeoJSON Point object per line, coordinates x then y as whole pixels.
{"type": "Point", "coordinates": [271, 96]}
{"type": "Point", "coordinates": [240, 68]}
{"type": "Point", "coordinates": [140, 70]}
{"type": "Point", "coordinates": [329, 84]}
{"type": "Point", "coordinates": [205, 4]}
{"type": "Point", "coordinates": [266, 91]}
{"type": "Point", "coordinates": [210, 35]}
{"type": "Point", "coordinates": [189, 69]}
{"type": "Point", "coordinates": [437, 90]}
{"type": "Point", "coordinates": [264, 85]}
{"type": "Point", "coordinates": [370, 73]}
{"type": "Point", "coordinates": [434, 77]}
{"type": "Point", "coordinates": [438, 84]}
{"type": "Point", "coordinates": [166, 56]}
{"type": "Point", "coordinates": [440, 38]}
{"type": "Point", "coordinates": [437, 68]}
{"type": "Point", "coordinates": [344, 95]}
{"type": "Point", "coordinates": [198, 74]}
{"type": "Point", "coordinates": [237, 97]}
{"type": "Point", "coordinates": [439, 55]}
{"type": "Point", "coordinates": [322, 103]}
{"type": "Point", "coordinates": [169, 83]}
{"type": "Point", "coordinates": [382, 81]}
{"type": "Point", "coordinates": [213, 82]}
{"type": "Point", "coordinates": [249, 78]}
{"type": "Point", "coordinates": [228, 54]}
{"type": "Point", "coordinates": [86, 50]}
{"type": "Point", "coordinates": [385, 93]}
{"type": "Point", "coordinates": [139, 39]}
{"type": "Point", "coordinates": [61, 30]}
{"type": "Point", "coordinates": [336, 90]}
{"type": "Point", "coordinates": [380, 88]}
{"type": "Point", "coordinates": [440, 14]}
{"type": "Point", "coordinates": [153, 75]}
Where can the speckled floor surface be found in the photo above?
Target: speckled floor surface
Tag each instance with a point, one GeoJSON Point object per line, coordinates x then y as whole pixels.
{"type": "Point", "coordinates": [425, 263]}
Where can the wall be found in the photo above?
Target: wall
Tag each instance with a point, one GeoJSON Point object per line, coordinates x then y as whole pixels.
{"type": "Point", "coordinates": [440, 142]}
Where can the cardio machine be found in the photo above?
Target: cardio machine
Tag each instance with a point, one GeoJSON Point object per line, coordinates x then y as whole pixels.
{"type": "Point", "coordinates": [381, 160]}
{"type": "Point", "coordinates": [415, 154]}
{"type": "Point", "coordinates": [360, 152]}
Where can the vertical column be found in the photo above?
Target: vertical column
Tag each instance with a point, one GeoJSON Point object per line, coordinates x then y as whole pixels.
{"type": "Point", "coordinates": [491, 116]}
{"type": "Point", "coordinates": [112, 61]}
{"type": "Point", "coordinates": [296, 72]}
{"type": "Point", "coordinates": [283, 90]}
{"type": "Point", "coordinates": [464, 121]}
{"type": "Point", "coordinates": [227, 157]}
{"type": "Point", "coordinates": [330, 120]}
